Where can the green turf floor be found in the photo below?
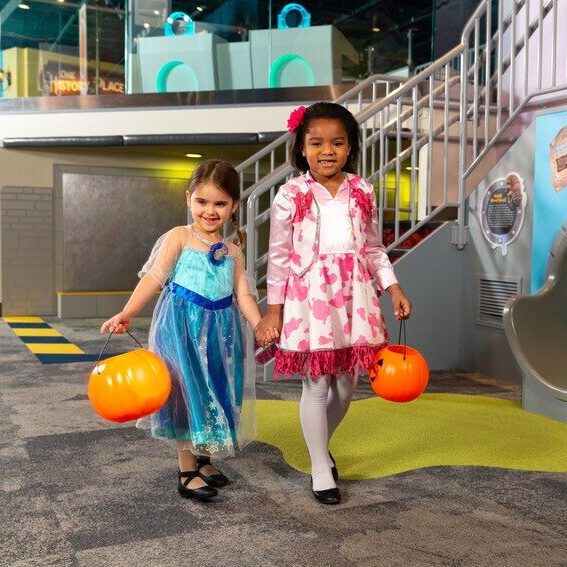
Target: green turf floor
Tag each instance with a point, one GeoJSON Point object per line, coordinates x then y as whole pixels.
{"type": "Point", "coordinates": [380, 438]}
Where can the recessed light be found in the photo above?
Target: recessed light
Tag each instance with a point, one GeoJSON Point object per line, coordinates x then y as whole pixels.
{"type": "Point", "coordinates": [23, 6]}
{"type": "Point", "coordinates": [156, 12]}
{"type": "Point", "coordinates": [194, 155]}
{"type": "Point", "coordinates": [199, 8]}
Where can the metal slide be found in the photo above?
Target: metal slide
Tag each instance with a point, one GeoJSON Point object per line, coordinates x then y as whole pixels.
{"type": "Point", "coordinates": [536, 328]}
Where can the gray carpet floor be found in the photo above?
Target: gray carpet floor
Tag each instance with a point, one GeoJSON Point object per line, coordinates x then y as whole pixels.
{"type": "Point", "coordinates": [79, 491]}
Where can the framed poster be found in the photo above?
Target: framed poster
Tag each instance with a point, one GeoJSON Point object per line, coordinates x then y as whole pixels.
{"type": "Point", "coordinates": [503, 210]}
{"type": "Point", "coordinates": [550, 191]}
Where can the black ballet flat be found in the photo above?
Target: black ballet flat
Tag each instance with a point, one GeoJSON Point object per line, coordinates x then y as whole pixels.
{"type": "Point", "coordinates": [334, 470]}
{"type": "Point", "coordinates": [203, 493]}
{"type": "Point", "coordinates": [218, 479]}
{"type": "Point", "coordinates": [330, 496]}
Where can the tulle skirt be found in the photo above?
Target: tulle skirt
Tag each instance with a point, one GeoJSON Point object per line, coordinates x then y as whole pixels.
{"type": "Point", "coordinates": [211, 406]}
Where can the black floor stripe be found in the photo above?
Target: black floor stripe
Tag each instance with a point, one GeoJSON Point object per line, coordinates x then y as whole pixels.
{"type": "Point", "coordinates": [29, 325]}
{"type": "Point", "coordinates": [70, 358]}
{"type": "Point", "coordinates": [46, 340]}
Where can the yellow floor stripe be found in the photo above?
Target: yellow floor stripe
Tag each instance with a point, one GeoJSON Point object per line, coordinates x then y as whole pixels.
{"type": "Point", "coordinates": [44, 341]}
{"type": "Point", "coordinates": [23, 320]}
{"type": "Point", "coordinates": [37, 332]}
{"type": "Point", "coordinates": [46, 348]}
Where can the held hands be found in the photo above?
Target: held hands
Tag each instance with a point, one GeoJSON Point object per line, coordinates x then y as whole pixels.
{"type": "Point", "coordinates": [117, 324]}
{"type": "Point", "coordinates": [271, 335]}
{"type": "Point", "coordinates": [268, 329]}
{"type": "Point", "coordinates": [401, 304]}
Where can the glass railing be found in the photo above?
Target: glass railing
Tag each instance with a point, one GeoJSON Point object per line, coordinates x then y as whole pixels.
{"type": "Point", "coordinates": [103, 47]}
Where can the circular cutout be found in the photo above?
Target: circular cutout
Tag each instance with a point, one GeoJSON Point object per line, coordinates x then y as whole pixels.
{"type": "Point", "coordinates": [179, 75]}
{"type": "Point", "coordinates": [178, 23]}
{"type": "Point", "coordinates": [305, 21]}
{"type": "Point", "coordinates": [287, 62]}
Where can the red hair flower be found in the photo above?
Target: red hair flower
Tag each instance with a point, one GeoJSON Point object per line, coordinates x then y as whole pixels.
{"type": "Point", "coordinates": [363, 202]}
{"type": "Point", "coordinates": [302, 205]}
{"type": "Point", "coordinates": [295, 118]}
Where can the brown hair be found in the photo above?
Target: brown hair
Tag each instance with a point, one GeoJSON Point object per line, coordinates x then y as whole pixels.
{"type": "Point", "coordinates": [223, 175]}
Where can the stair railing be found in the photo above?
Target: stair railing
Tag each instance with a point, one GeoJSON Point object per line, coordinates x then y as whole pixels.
{"type": "Point", "coordinates": [517, 47]}
{"type": "Point", "coordinates": [268, 159]}
{"type": "Point", "coordinates": [437, 125]}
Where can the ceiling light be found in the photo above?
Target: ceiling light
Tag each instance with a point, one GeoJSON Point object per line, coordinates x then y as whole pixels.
{"type": "Point", "coordinates": [146, 25]}
{"type": "Point", "coordinates": [23, 6]}
{"type": "Point", "coordinates": [156, 12]}
{"type": "Point", "coordinates": [194, 155]}
{"type": "Point", "coordinates": [409, 168]}
{"type": "Point", "coordinates": [199, 8]}
{"type": "Point", "coordinates": [375, 26]}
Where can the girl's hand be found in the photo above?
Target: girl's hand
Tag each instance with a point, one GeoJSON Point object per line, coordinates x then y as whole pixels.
{"type": "Point", "coordinates": [270, 326]}
{"type": "Point", "coordinates": [117, 324]}
{"type": "Point", "coordinates": [401, 304]}
{"type": "Point", "coordinates": [270, 336]}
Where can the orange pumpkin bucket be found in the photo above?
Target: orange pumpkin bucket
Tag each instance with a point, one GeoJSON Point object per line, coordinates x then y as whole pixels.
{"type": "Point", "coordinates": [129, 386]}
{"type": "Point", "coordinates": [400, 373]}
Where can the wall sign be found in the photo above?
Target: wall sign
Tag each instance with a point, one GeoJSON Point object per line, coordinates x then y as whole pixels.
{"type": "Point", "coordinates": [558, 160]}
{"type": "Point", "coordinates": [502, 211]}
{"type": "Point", "coordinates": [549, 193]}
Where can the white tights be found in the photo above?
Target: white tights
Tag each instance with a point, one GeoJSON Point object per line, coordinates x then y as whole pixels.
{"type": "Point", "coordinates": [324, 403]}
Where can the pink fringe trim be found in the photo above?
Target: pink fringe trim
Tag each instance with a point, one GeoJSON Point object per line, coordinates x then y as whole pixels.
{"type": "Point", "coordinates": [319, 363]}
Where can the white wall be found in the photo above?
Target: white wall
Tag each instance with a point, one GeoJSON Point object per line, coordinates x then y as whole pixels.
{"type": "Point", "coordinates": [112, 122]}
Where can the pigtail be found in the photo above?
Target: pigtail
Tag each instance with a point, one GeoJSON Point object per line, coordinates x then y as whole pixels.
{"type": "Point", "coordinates": [239, 233]}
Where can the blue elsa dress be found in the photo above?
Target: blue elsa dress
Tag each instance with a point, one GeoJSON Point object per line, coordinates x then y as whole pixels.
{"type": "Point", "coordinates": [196, 330]}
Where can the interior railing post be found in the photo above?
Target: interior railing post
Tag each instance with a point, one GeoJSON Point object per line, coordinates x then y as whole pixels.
{"type": "Point", "coordinates": [498, 63]}
{"type": "Point", "coordinates": [381, 184]}
{"type": "Point", "coordinates": [512, 100]}
{"type": "Point", "coordinates": [414, 157]}
{"type": "Point", "coordinates": [539, 45]}
{"type": "Point", "coordinates": [446, 133]}
{"type": "Point", "coordinates": [475, 87]}
{"type": "Point", "coordinates": [554, 44]}
{"type": "Point", "coordinates": [487, 73]}
{"type": "Point", "coordinates": [398, 169]}
{"type": "Point", "coordinates": [462, 145]}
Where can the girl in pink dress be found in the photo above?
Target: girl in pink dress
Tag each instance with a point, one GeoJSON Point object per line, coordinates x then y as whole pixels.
{"type": "Point", "coordinates": [326, 271]}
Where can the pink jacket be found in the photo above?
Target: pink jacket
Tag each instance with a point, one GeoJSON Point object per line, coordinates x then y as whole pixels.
{"type": "Point", "coordinates": [294, 234]}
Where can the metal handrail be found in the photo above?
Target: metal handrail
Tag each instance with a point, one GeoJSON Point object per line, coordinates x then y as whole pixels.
{"type": "Point", "coordinates": [360, 95]}
{"type": "Point", "coordinates": [404, 92]}
{"type": "Point", "coordinates": [410, 125]}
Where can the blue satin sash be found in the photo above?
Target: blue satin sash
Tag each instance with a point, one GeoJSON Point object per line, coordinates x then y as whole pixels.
{"type": "Point", "coordinates": [198, 299]}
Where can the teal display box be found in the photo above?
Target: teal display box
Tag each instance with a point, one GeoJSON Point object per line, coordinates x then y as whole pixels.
{"type": "Point", "coordinates": [299, 57]}
{"type": "Point", "coordinates": [179, 63]}
{"type": "Point", "coordinates": [234, 66]}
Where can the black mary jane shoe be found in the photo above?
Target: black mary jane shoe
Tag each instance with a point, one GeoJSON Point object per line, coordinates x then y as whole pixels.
{"type": "Point", "coordinates": [217, 479]}
{"type": "Point", "coordinates": [334, 470]}
{"type": "Point", "coordinates": [330, 496]}
{"type": "Point", "coordinates": [203, 493]}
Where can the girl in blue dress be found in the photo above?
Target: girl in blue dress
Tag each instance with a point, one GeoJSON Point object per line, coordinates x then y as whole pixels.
{"type": "Point", "coordinates": [196, 330]}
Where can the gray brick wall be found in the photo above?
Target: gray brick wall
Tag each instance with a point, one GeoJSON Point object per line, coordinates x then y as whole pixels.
{"type": "Point", "coordinates": [27, 251]}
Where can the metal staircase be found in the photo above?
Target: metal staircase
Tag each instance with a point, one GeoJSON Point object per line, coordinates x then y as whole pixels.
{"type": "Point", "coordinates": [424, 137]}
